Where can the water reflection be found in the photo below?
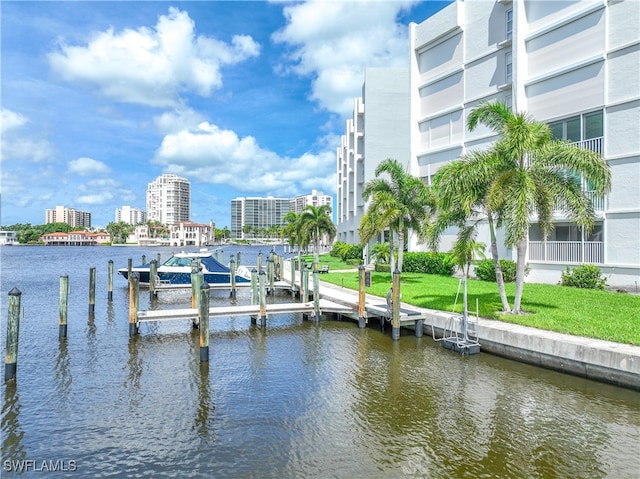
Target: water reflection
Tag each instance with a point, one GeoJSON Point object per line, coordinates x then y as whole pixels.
{"type": "Point", "coordinates": [206, 407]}
{"type": "Point", "coordinates": [62, 376]}
{"type": "Point", "coordinates": [12, 432]}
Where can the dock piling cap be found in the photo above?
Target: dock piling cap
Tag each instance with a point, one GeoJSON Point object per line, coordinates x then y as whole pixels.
{"type": "Point", "coordinates": [15, 292]}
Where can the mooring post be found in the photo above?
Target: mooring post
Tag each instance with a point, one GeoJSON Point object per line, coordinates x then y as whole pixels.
{"type": "Point", "coordinates": [64, 306]}
{"type": "Point", "coordinates": [158, 258]}
{"type": "Point", "coordinates": [254, 292]}
{"type": "Point", "coordinates": [110, 281]}
{"type": "Point", "coordinates": [304, 298]}
{"type": "Point", "coordinates": [92, 290]}
{"type": "Point", "coordinates": [395, 309]}
{"type": "Point", "coordinates": [238, 260]}
{"type": "Point", "coordinates": [153, 273]}
{"type": "Point", "coordinates": [129, 268]}
{"type": "Point", "coordinates": [222, 256]}
{"type": "Point", "coordinates": [292, 264]}
{"type": "Point", "coordinates": [134, 296]}
{"type": "Point", "coordinates": [316, 293]}
{"type": "Point", "coordinates": [144, 259]}
{"type": "Point", "coordinates": [194, 284]}
{"type": "Point", "coordinates": [13, 330]}
{"type": "Point", "coordinates": [259, 261]}
{"type": "Point", "coordinates": [203, 315]}
{"type": "Point", "coordinates": [232, 268]}
{"type": "Point", "coordinates": [270, 272]}
{"type": "Point", "coordinates": [263, 298]}
{"type": "Point", "coordinates": [362, 320]}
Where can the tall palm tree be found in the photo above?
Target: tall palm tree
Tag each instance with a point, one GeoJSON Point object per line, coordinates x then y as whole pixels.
{"type": "Point", "coordinates": [528, 173]}
{"type": "Point", "coordinates": [401, 203]}
{"type": "Point", "coordinates": [316, 223]}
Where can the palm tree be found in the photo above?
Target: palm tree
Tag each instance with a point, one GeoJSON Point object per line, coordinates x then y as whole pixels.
{"type": "Point", "coordinates": [525, 173]}
{"type": "Point", "coordinates": [401, 203]}
{"type": "Point", "coordinates": [316, 223]}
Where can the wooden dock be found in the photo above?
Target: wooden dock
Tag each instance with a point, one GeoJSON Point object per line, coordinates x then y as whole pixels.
{"type": "Point", "coordinates": [218, 286]}
{"type": "Point", "coordinates": [242, 310]}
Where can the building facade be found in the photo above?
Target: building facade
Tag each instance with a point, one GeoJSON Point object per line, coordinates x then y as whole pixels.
{"type": "Point", "coordinates": [129, 215]}
{"type": "Point", "coordinates": [250, 217]}
{"type": "Point", "coordinates": [573, 65]}
{"type": "Point", "coordinates": [169, 199]}
{"type": "Point", "coordinates": [70, 216]}
{"type": "Point", "coordinates": [379, 129]}
{"type": "Point", "coordinates": [315, 198]}
{"type": "Point", "coordinates": [187, 233]}
{"type": "Point", "coordinates": [75, 238]}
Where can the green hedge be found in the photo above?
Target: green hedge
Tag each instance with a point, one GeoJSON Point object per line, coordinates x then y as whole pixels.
{"type": "Point", "coordinates": [430, 263]}
{"type": "Point", "coordinates": [584, 276]}
{"type": "Point", "coordinates": [383, 268]}
{"type": "Point", "coordinates": [486, 270]}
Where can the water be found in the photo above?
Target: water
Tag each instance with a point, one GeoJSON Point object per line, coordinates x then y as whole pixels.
{"type": "Point", "coordinates": [295, 400]}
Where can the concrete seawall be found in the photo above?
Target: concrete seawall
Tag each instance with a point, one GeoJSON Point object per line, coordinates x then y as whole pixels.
{"type": "Point", "coordinates": [603, 361]}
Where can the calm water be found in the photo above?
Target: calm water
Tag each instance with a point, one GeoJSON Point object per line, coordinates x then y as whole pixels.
{"type": "Point", "coordinates": [295, 400]}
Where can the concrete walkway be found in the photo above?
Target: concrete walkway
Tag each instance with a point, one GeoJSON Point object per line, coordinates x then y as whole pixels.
{"type": "Point", "coordinates": [603, 361]}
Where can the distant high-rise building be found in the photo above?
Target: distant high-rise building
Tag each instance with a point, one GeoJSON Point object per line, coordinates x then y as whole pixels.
{"type": "Point", "coordinates": [132, 216]}
{"type": "Point", "coordinates": [257, 214]}
{"type": "Point", "coordinates": [70, 216]}
{"type": "Point", "coordinates": [169, 199]}
{"type": "Point", "coordinates": [315, 198]}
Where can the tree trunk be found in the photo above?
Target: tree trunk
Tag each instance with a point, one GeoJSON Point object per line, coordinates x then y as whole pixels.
{"type": "Point", "coordinates": [496, 261]}
{"type": "Point", "coordinates": [520, 266]}
{"type": "Point", "coordinates": [392, 256]}
{"type": "Point", "coordinates": [316, 245]}
{"type": "Point", "coordinates": [400, 247]}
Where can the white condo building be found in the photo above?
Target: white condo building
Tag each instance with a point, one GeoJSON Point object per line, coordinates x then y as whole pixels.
{"type": "Point", "coordinates": [572, 64]}
{"type": "Point", "coordinates": [258, 213]}
{"type": "Point", "coordinates": [315, 198]}
{"type": "Point", "coordinates": [70, 216]}
{"type": "Point", "coordinates": [129, 215]}
{"type": "Point", "coordinates": [379, 129]}
{"type": "Point", "coordinates": [169, 199]}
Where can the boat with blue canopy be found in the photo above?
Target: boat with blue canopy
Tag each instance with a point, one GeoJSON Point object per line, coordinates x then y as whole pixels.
{"type": "Point", "coordinates": [177, 270]}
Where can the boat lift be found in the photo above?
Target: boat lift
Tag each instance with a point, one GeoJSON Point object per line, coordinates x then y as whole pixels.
{"type": "Point", "coordinates": [461, 331]}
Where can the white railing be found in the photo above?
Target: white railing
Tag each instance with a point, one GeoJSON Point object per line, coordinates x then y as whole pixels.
{"type": "Point", "coordinates": [593, 144]}
{"type": "Point", "coordinates": [567, 251]}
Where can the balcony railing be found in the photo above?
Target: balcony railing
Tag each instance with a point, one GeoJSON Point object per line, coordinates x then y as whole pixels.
{"type": "Point", "coordinates": [593, 144]}
{"type": "Point", "coordinates": [567, 251]}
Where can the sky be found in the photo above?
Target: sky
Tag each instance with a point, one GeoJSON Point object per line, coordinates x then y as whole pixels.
{"type": "Point", "coordinates": [242, 98]}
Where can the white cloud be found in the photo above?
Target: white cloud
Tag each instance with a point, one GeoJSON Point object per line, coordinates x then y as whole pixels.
{"type": "Point", "coordinates": [88, 167]}
{"type": "Point", "coordinates": [152, 66]}
{"type": "Point", "coordinates": [334, 42]}
{"type": "Point", "coordinates": [213, 155]}
{"type": "Point", "coordinates": [15, 145]}
{"type": "Point", "coordinates": [174, 121]}
{"type": "Point", "coordinates": [10, 120]}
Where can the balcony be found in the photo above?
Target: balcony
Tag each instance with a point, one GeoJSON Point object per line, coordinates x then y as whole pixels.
{"type": "Point", "coordinates": [593, 144]}
{"type": "Point", "coordinates": [591, 252]}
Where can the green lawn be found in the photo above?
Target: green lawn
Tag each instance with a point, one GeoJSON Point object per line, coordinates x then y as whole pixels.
{"type": "Point", "coordinates": [333, 262]}
{"type": "Point", "coordinates": [591, 313]}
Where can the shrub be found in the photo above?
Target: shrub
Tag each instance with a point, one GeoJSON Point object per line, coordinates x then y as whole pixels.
{"type": "Point", "coordinates": [486, 270]}
{"type": "Point", "coordinates": [383, 268]}
{"type": "Point", "coordinates": [346, 251]}
{"type": "Point", "coordinates": [430, 263]}
{"type": "Point", "coordinates": [584, 276]}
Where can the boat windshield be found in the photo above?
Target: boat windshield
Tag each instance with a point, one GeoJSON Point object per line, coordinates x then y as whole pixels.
{"type": "Point", "coordinates": [177, 261]}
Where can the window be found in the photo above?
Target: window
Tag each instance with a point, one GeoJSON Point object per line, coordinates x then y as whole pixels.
{"type": "Point", "coordinates": [508, 67]}
{"type": "Point", "coordinates": [579, 128]}
{"type": "Point", "coordinates": [508, 24]}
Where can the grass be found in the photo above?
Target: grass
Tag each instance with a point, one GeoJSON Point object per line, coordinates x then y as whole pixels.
{"type": "Point", "coordinates": [333, 262]}
{"type": "Point", "coordinates": [590, 313]}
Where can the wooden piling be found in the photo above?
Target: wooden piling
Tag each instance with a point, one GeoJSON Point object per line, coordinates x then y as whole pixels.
{"type": "Point", "coordinates": [134, 296]}
{"type": "Point", "coordinates": [316, 293]}
{"type": "Point", "coordinates": [263, 298]}
{"type": "Point", "coordinates": [270, 275]}
{"type": "Point", "coordinates": [362, 320]}
{"type": "Point", "coordinates": [395, 309]}
{"type": "Point", "coordinates": [232, 268]}
{"type": "Point", "coordinates": [13, 331]}
{"type": "Point", "coordinates": [64, 306]}
{"type": "Point", "coordinates": [110, 281]}
{"type": "Point", "coordinates": [238, 259]}
{"type": "Point", "coordinates": [92, 290]}
{"type": "Point", "coordinates": [153, 273]}
{"type": "Point", "coordinates": [304, 286]}
{"type": "Point", "coordinates": [254, 291]}
{"type": "Point", "coordinates": [203, 316]}
{"type": "Point", "coordinates": [293, 276]}
{"type": "Point", "coordinates": [144, 259]}
{"type": "Point", "coordinates": [129, 268]}
{"type": "Point", "coordinates": [259, 262]}
{"type": "Point", "coordinates": [158, 259]}
{"type": "Point", "coordinates": [195, 286]}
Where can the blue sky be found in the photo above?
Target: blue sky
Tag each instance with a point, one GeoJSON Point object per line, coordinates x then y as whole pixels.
{"type": "Point", "coordinates": [242, 98]}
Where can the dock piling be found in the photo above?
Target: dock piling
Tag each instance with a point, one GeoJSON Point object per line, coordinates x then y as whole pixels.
{"type": "Point", "coordinates": [92, 290]}
{"type": "Point", "coordinates": [144, 259]}
{"type": "Point", "coordinates": [304, 297]}
{"type": "Point", "coordinates": [203, 316]}
{"type": "Point", "coordinates": [362, 320]}
{"type": "Point", "coordinates": [259, 261]}
{"type": "Point", "coordinates": [13, 330]}
{"type": "Point", "coordinates": [395, 310]}
{"type": "Point", "coordinates": [153, 273]}
{"type": "Point", "coordinates": [292, 263]}
{"type": "Point", "coordinates": [263, 299]}
{"type": "Point", "coordinates": [238, 259]}
{"type": "Point", "coordinates": [254, 291]}
{"type": "Point", "coordinates": [270, 275]}
{"type": "Point", "coordinates": [64, 306]}
{"type": "Point", "coordinates": [232, 268]}
{"type": "Point", "coordinates": [134, 296]}
{"type": "Point", "coordinates": [110, 281]}
{"type": "Point", "coordinates": [316, 293]}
